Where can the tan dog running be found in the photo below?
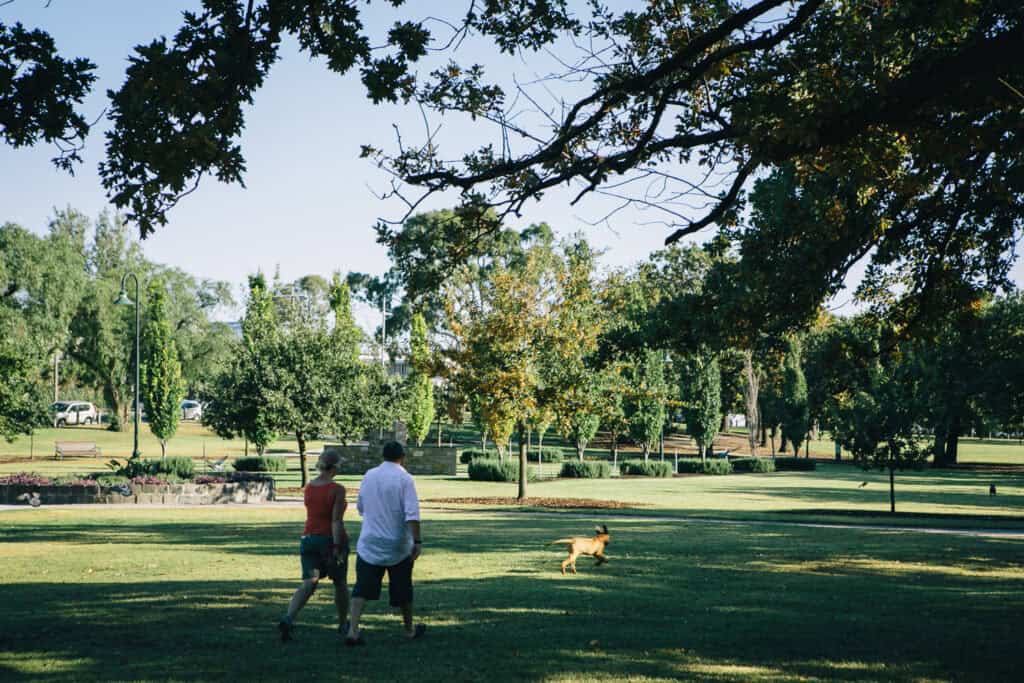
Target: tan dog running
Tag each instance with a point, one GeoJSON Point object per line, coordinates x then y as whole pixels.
{"type": "Point", "coordinates": [585, 546]}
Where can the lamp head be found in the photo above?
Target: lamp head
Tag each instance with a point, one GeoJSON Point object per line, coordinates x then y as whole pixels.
{"type": "Point", "coordinates": [123, 300]}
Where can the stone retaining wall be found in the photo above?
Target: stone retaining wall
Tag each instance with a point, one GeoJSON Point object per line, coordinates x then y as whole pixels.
{"type": "Point", "coordinates": [425, 460]}
{"type": "Point", "coordinates": [159, 494]}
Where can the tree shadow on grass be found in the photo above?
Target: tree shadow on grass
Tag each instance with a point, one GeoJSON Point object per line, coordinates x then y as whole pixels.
{"type": "Point", "coordinates": [877, 493]}
{"type": "Point", "coordinates": [677, 601]}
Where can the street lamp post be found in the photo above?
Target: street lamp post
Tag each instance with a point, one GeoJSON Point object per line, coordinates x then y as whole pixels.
{"type": "Point", "coordinates": [123, 300]}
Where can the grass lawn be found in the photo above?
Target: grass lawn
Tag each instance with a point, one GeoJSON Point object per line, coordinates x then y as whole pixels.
{"type": "Point", "coordinates": [95, 593]}
{"type": "Point", "coordinates": [192, 440]}
{"type": "Point", "coordinates": [835, 492]}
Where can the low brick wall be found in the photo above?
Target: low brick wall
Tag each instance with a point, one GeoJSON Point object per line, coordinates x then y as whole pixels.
{"type": "Point", "coordinates": [159, 494]}
{"type": "Point", "coordinates": [425, 460]}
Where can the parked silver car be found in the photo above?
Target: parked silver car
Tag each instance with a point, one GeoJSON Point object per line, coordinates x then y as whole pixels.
{"type": "Point", "coordinates": [65, 413]}
{"type": "Point", "coordinates": [191, 410]}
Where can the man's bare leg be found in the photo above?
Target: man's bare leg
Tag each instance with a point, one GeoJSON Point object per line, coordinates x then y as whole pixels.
{"type": "Point", "coordinates": [353, 623]}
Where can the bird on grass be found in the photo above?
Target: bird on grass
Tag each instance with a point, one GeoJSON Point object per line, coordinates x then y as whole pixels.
{"type": "Point", "coordinates": [216, 466]}
{"type": "Point", "coordinates": [862, 484]}
{"type": "Point", "coordinates": [31, 498]}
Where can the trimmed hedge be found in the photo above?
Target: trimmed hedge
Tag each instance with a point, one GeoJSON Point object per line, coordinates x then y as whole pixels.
{"type": "Point", "coordinates": [183, 468]}
{"type": "Point", "coordinates": [708, 466]}
{"type": "Point", "coordinates": [651, 468]}
{"type": "Point", "coordinates": [470, 454]}
{"type": "Point", "coordinates": [754, 465]}
{"type": "Point", "coordinates": [795, 464]}
{"type": "Point", "coordinates": [260, 464]}
{"type": "Point", "coordinates": [490, 469]}
{"type": "Point", "coordinates": [596, 469]}
{"type": "Point", "coordinates": [551, 455]}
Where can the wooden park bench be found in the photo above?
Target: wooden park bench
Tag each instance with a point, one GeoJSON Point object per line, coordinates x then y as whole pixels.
{"type": "Point", "coordinates": [62, 448]}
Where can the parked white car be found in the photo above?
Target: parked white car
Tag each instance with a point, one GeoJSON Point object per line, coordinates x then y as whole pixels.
{"type": "Point", "coordinates": [191, 410]}
{"type": "Point", "coordinates": [73, 413]}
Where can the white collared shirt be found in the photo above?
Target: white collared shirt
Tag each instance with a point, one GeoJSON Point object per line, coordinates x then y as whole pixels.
{"type": "Point", "coordinates": [387, 500]}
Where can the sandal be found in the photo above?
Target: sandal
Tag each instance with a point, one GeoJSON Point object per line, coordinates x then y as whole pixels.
{"type": "Point", "coordinates": [418, 632]}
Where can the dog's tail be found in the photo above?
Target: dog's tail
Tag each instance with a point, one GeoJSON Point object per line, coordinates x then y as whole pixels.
{"type": "Point", "coordinates": [567, 541]}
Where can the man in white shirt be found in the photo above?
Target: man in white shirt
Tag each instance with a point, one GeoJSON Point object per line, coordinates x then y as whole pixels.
{"type": "Point", "coordinates": [389, 541]}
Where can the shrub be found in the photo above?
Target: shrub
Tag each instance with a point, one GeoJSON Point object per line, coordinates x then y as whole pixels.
{"type": "Point", "coordinates": [74, 480]}
{"type": "Point", "coordinates": [717, 466]}
{"type": "Point", "coordinates": [587, 469]}
{"type": "Point", "coordinates": [551, 455]}
{"type": "Point", "coordinates": [260, 464]}
{"type": "Point", "coordinates": [107, 479]}
{"type": "Point", "coordinates": [708, 466]}
{"type": "Point", "coordinates": [26, 479]}
{"type": "Point", "coordinates": [151, 479]}
{"type": "Point", "coordinates": [795, 464]}
{"type": "Point", "coordinates": [651, 468]}
{"type": "Point", "coordinates": [470, 454]}
{"type": "Point", "coordinates": [756, 465]}
{"type": "Point", "coordinates": [183, 468]}
{"type": "Point", "coordinates": [246, 476]}
{"type": "Point", "coordinates": [209, 479]}
{"type": "Point", "coordinates": [490, 469]}
{"type": "Point", "coordinates": [691, 466]}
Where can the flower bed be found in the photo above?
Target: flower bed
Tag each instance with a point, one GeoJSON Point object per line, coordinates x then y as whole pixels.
{"type": "Point", "coordinates": [203, 490]}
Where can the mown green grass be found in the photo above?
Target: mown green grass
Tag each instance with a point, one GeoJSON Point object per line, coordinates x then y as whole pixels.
{"type": "Point", "coordinates": [192, 440]}
{"type": "Point", "coordinates": [103, 594]}
{"type": "Point", "coordinates": [835, 492]}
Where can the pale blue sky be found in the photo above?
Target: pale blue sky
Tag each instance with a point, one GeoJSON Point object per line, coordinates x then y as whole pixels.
{"type": "Point", "coordinates": [308, 206]}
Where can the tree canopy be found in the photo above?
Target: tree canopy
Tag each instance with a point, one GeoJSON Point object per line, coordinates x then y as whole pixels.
{"type": "Point", "coordinates": [897, 122]}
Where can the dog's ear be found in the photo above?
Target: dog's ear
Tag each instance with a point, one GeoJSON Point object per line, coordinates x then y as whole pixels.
{"type": "Point", "coordinates": [604, 528]}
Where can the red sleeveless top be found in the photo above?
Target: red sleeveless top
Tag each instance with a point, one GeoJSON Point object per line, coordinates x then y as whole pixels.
{"type": "Point", "coordinates": [319, 505]}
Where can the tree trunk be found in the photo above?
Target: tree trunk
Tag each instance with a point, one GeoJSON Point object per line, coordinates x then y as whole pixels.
{"type": "Point", "coordinates": [952, 442]}
{"type": "Point", "coordinates": [703, 452]}
{"type": "Point", "coordinates": [939, 446]}
{"type": "Point", "coordinates": [892, 482]}
{"type": "Point", "coordinates": [581, 446]}
{"type": "Point", "coordinates": [764, 433]}
{"type": "Point", "coordinates": [773, 441]}
{"type": "Point", "coordinates": [661, 445]}
{"type": "Point", "coordinates": [301, 439]}
{"type": "Point", "coordinates": [647, 450]}
{"type": "Point", "coordinates": [540, 453]}
{"type": "Point", "coordinates": [751, 388]}
{"type": "Point", "coordinates": [483, 440]}
{"type": "Point", "coordinates": [723, 425]}
{"type": "Point", "coordinates": [522, 462]}
{"type": "Point", "coordinates": [163, 449]}
{"type": "Point", "coordinates": [783, 444]}
{"type": "Point", "coordinates": [440, 423]}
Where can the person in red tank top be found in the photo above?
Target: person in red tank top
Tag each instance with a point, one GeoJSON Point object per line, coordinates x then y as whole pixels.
{"type": "Point", "coordinates": [324, 546]}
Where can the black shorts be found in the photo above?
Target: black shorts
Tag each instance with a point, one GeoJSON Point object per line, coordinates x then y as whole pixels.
{"type": "Point", "coordinates": [369, 577]}
{"type": "Point", "coordinates": [317, 561]}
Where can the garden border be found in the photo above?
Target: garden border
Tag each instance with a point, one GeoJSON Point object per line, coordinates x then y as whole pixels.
{"type": "Point", "coordinates": [253, 491]}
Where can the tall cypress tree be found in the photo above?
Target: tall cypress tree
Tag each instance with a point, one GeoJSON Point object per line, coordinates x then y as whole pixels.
{"type": "Point", "coordinates": [703, 399]}
{"type": "Point", "coordinates": [420, 391]}
{"type": "Point", "coordinates": [796, 417]}
{"type": "Point", "coordinates": [162, 386]}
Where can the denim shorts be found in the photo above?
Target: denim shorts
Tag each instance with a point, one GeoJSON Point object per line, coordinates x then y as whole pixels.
{"type": "Point", "coordinates": [315, 554]}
